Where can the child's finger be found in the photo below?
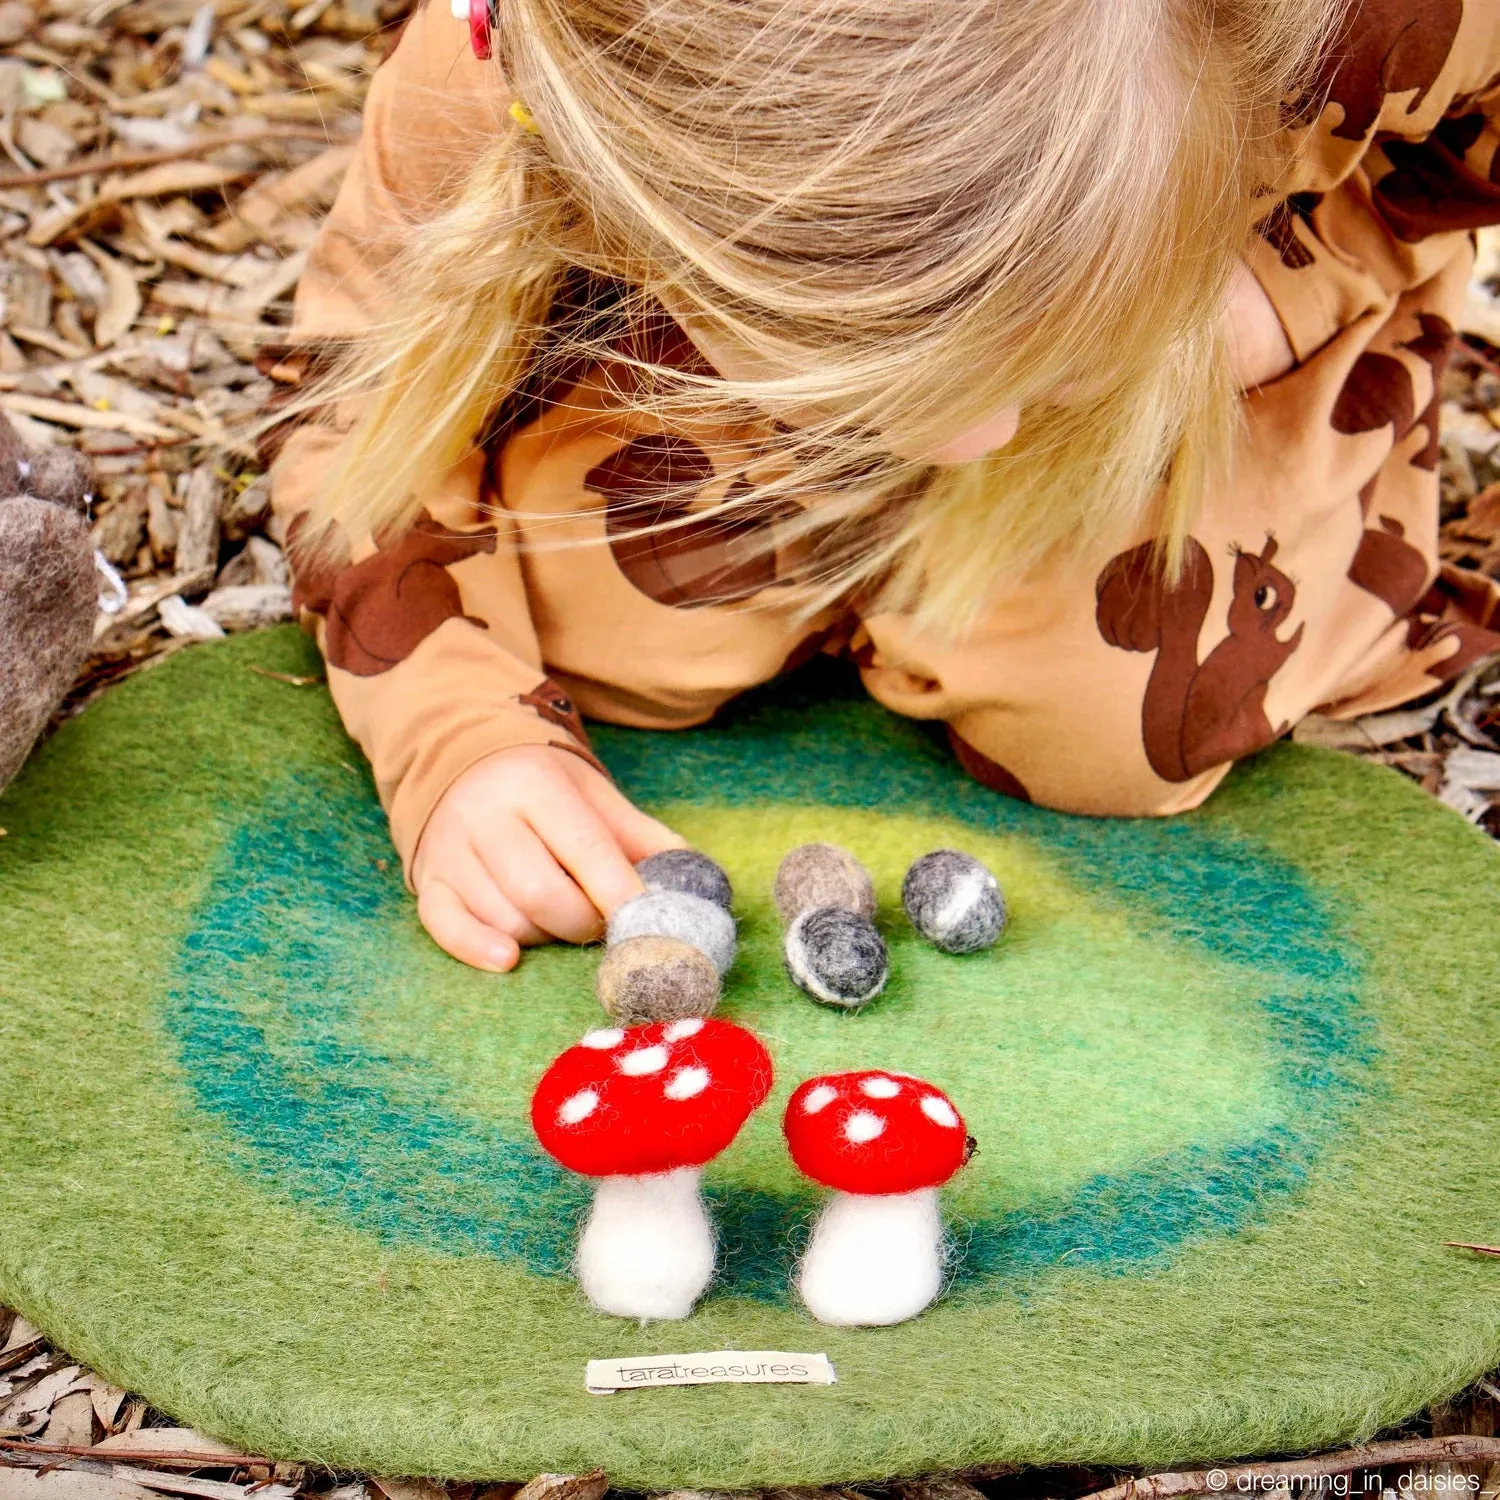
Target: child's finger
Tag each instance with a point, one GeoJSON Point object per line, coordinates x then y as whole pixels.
{"type": "Point", "coordinates": [637, 833]}
{"type": "Point", "coordinates": [456, 930]}
{"type": "Point", "coordinates": [588, 849]}
{"type": "Point", "coordinates": [477, 889]}
{"type": "Point", "coordinates": [538, 887]}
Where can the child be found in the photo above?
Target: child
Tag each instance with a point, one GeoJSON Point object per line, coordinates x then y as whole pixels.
{"type": "Point", "coordinates": [1073, 366]}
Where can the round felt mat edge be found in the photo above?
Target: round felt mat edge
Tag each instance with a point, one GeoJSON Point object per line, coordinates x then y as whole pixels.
{"type": "Point", "coordinates": [1298, 1414]}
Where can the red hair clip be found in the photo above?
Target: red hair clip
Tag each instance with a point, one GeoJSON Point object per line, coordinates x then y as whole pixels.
{"type": "Point", "coordinates": [480, 14]}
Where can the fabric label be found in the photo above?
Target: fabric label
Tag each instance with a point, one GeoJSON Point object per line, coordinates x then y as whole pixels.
{"type": "Point", "coordinates": [640, 1372]}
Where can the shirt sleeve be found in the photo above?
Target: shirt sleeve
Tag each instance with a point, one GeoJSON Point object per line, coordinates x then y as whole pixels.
{"type": "Point", "coordinates": [432, 656]}
{"type": "Point", "coordinates": [1396, 170]}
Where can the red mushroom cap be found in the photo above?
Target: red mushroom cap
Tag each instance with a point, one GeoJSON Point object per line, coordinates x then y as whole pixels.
{"type": "Point", "coordinates": [875, 1132]}
{"type": "Point", "coordinates": [628, 1101]}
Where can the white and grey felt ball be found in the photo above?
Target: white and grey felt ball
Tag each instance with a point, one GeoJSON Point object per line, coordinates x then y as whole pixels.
{"type": "Point", "coordinates": [689, 871]}
{"type": "Point", "coordinates": [701, 923]}
{"type": "Point", "coordinates": [836, 956]}
{"type": "Point", "coordinates": [954, 901]}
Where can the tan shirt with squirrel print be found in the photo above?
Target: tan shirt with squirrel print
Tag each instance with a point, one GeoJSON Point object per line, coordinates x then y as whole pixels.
{"type": "Point", "coordinates": [1312, 583]}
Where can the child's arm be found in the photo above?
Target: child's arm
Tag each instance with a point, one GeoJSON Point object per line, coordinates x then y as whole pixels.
{"type": "Point", "coordinates": [1100, 687]}
{"type": "Point", "coordinates": [508, 829]}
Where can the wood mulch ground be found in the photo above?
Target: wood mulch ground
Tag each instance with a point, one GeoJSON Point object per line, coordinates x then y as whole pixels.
{"type": "Point", "coordinates": [166, 162]}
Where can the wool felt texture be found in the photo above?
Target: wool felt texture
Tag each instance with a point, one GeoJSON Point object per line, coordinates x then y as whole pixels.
{"type": "Point", "coordinates": [871, 1132]}
{"type": "Point", "coordinates": [953, 901]}
{"type": "Point", "coordinates": [655, 978]}
{"type": "Point", "coordinates": [48, 590]}
{"type": "Point", "coordinates": [701, 923]}
{"type": "Point", "coordinates": [837, 956]}
{"type": "Point", "coordinates": [630, 1100]}
{"type": "Point", "coordinates": [688, 870]}
{"type": "Point", "coordinates": [267, 1158]}
{"type": "Point", "coordinates": [817, 874]}
{"type": "Point", "coordinates": [872, 1262]}
{"type": "Point", "coordinates": [647, 1250]}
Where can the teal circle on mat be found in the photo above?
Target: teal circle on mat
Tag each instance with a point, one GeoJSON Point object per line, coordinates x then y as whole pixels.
{"type": "Point", "coordinates": [365, 1134]}
{"type": "Point", "coordinates": [265, 1155]}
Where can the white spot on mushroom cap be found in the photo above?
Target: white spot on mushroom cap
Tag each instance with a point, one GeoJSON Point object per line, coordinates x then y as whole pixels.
{"type": "Point", "coordinates": [686, 1083]}
{"type": "Point", "coordinates": [603, 1039]}
{"type": "Point", "coordinates": [819, 1098]}
{"type": "Point", "coordinates": [679, 1031]}
{"type": "Point", "coordinates": [939, 1111]}
{"type": "Point", "coordinates": [880, 1088]}
{"type": "Point", "coordinates": [643, 1060]}
{"type": "Point", "coordinates": [579, 1107]}
{"type": "Point", "coordinates": [863, 1127]}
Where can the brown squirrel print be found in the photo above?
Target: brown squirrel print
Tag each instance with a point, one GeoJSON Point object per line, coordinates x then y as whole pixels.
{"type": "Point", "coordinates": [1279, 229]}
{"type": "Point", "coordinates": [1457, 607]}
{"type": "Point", "coordinates": [1389, 567]}
{"type": "Point", "coordinates": [1378, 391]}
{"type": "Point", "coordinates": [1387, 47]}
{"type": "Point", "coordinates": [717, 556]}
{"type": "Point", "coordinates": [379, 610]}
{"type": "Point", "coordinates": [553, 706]}
{"type": "Point", "coordinates": [1434, 344]}
{"type": "Point", "coordinates": [1431, 188]}
{"type": "Point", "coordinates": [1197, 715]}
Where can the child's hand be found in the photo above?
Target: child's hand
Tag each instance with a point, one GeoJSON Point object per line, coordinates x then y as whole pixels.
{"type": "Point", "coordinates": [1258, 344]}
{"type": "Point", "coordinates": [528, 845]}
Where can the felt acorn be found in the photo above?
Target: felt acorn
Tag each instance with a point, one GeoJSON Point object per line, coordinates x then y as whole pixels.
{"type": "Point", "coordinates": [954, 901]}
{"type": "Point", "coordinates": [885, 1142]}
{"type": "Point", "coordinates": [832, 949]}
{"type": "Point", "coordinates": [669, 947]}
{"type": "Point", "coordinates": [641, 1110]}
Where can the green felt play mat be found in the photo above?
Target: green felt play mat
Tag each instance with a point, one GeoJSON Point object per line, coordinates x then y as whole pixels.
{"type": "Point", "coordinates": [264, 1154]}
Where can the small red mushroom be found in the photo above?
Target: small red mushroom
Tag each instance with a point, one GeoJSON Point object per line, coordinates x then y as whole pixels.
{"type": "Point", "coordinates": [642, 1109]}
{"type": "Point", "coordinates": [884, 1142]}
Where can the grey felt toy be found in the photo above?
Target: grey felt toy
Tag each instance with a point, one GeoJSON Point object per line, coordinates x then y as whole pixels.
{"type": "Point", "coordinates": [689, 871]}
{"type": "Point", "coordinates": [836, 956]}
{"type": "Point", "coordinates": [832, 949]}
{"type": "Point", "coordinates": [49, 588]}
{"type": "Point", "coordinates": [954, 901]}
{"type": "Point", "coordinates": [702, 924]}
{"type": "Point", "coordinates": [669, 946]}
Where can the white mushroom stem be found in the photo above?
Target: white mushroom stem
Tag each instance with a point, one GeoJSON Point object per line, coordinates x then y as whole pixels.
{"type": "Point", "coordinates": [873, 1259]}
{"type": "Point", "coordinates": [647, 1250]}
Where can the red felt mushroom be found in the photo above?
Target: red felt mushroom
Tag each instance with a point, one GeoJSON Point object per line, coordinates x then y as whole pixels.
{"type": "Point", "coordinates": [642, 1109]}
{"type": "Point", "coordinates": [884, 1142]}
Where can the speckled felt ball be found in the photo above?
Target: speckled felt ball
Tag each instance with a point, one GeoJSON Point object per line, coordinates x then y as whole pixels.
{"type": "Point", "coordinates": [836, 956]}
{"type": "Point", "coordinates": [688, 871]}
{"type": "Point", "coordinates": [954, 901]}
{"type": "Point", "coordinates": [703, 925]}
{"type": "Point", "coordinates": [656, 979]}
{"type": "Point", "coordinates": [815, 875]}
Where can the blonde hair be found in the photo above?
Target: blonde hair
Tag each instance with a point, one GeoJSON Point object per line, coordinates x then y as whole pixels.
{"type": "Point", "coordinates": [911, 214]}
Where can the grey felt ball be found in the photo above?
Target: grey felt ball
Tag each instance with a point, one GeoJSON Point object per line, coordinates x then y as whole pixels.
{"type": "Point", "coordinates": [689, 871]}
{"type": "Point", "coordinates": [954, 901]}
{"type": "Point", "coordinates": [836, 956]}
{"type": "Point", "coordinates": [704, 925]}
{"type": "Point", "coordinates": [814, 875]}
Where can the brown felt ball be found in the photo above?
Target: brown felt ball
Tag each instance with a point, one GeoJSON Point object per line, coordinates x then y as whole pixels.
{"type": "Point", "coordinates": [63, 476]}
{"type": "Point", "coordinates": [817, 875]}
{"type": "Point", "coordinates": [656, 979]}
